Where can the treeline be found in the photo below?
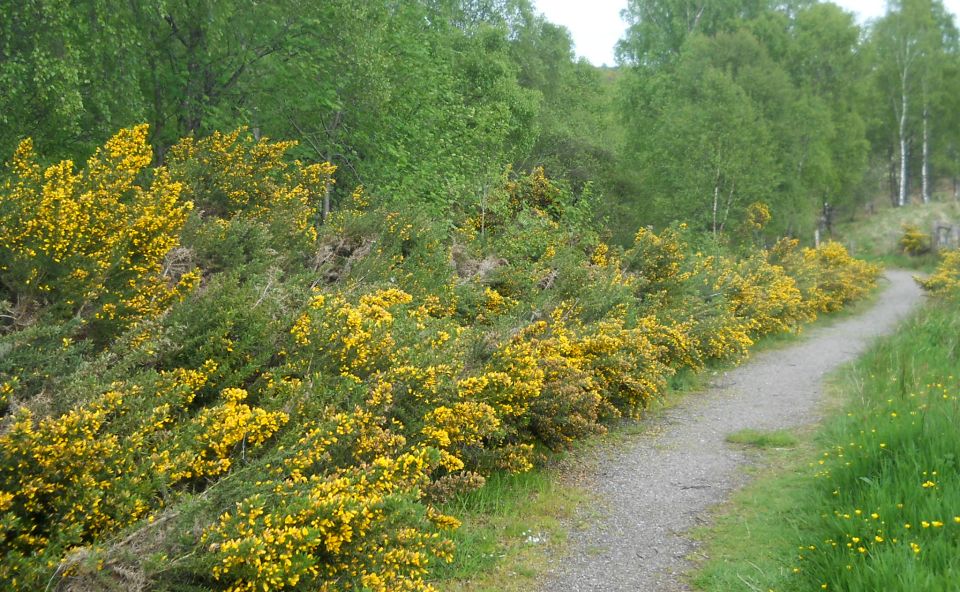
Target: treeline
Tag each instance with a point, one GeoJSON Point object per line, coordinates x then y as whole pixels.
{"type": "Point", "coordinates": [792, 104]}
{"type": "Point", "coordinates": [425, 100]}
{"type": "Point", "coordinates": [715, 106]}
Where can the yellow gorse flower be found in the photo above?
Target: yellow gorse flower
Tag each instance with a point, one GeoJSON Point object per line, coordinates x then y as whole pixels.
{"type": "Point", "coordinates": [93, 239]}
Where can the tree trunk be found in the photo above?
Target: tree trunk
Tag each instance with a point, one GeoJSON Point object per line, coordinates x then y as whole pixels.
{"type": "Point", "coordinates": [892, 177]}
{"type": "Point", "coordinates": [954, 178]}
{"type": "Point", "coordinates": [716, 191]}
{"type": "Point", "coordinates": [326, 197]}
{"type": "Point", "coordinates": [902, 195]}
{"type": "Point", "coordinates": [716, 201]}
{"type": "Point", "coordinates": [925, 173]}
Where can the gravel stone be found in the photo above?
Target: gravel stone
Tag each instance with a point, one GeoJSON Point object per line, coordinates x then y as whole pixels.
{"type": "Point", "coordinates": [660, 484]}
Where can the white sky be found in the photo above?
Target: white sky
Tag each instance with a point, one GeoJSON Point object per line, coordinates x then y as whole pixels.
{"type": "Point", "coordinates": [596, 25]}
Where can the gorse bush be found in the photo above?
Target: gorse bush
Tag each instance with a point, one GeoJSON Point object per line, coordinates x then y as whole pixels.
{"type": "Point", "coordinates": [229, 175]}
{"type": "Point", "coordinates": [292, 420]}
{"type": "Point", "coordinates": [914, 241]}
{"type": "Point", "coordinates": [945, 280]}
{"type": "Point", "coordinates": [90, 242]}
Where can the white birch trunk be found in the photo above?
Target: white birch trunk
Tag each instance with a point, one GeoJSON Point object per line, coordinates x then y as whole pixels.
{"type": "Point", "coordinates": [925, 172]}
{"type": "Point", "coordinates": [902, 195]}
{"type": "Point", "coordinates": [716, 202]}
{"type": "Point", "coordinates": [716, 193]}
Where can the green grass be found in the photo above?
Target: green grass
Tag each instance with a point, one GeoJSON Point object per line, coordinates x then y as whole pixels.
{"type": "Point", "coordinates": [508, 526]}
{"type": "Point", "coordinates": [759, 439]}
{"type": "Point", "coordinates": [751, 541]}
{"type": "Point", "coordinates": [835, 509]}
{"type": "Point", "coordinates": [924, 263]}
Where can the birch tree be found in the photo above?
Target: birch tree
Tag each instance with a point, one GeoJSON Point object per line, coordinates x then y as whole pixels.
{"type": "Point", "coordinates": [911, 41]}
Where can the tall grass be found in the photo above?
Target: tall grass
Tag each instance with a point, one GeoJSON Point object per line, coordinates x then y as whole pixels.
{"type": "Point", "coordinates": [878, 508]}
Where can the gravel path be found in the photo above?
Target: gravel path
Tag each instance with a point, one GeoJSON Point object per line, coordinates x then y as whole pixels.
{"type": "Point", "coordinates": [663, 482]}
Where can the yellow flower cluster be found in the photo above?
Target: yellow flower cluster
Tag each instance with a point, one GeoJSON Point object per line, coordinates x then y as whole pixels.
{"type": "Point", "coordinates": [535, 191]}
{"type": "Point", "coordinates": [730, 302]}
{"type": "Point", "coordinates": [758, 214]}
{"type": "Point", "coordinates": [494, 302]}
{"type": "Point", "coordinates": [658, 258]}
{"type": "Point", "coordinates": [93, 240]}
{"type": "Point", "coordinates": [73, 479]}
{"type": "Point", "coordinates": [945, 280]}
{"type": "Point", "coordinates": [7, 389]}
{"type": "Point", "coordinates": [914, 241]}
{"type": "Point", "coordinates": [336, 530]}
{"type": "Point", "coordinates": [357, 336]}
{"type": "Point", "coordinates": [556, 380]}
{"type": "Point", "coordinates": [232, 174]}
{"type": "Point", "coordinates": [840, 277]}
{"type": "Point", "coordinates": [600, 255]}
{"type": "Point", "coordinates": [764, 294]}
{"type": "Point", "coordinates": [456, 429]}
{"type": "Point", "coordinates": [220, 430]}
{"type": "Point", "coordinates": [59, 473]}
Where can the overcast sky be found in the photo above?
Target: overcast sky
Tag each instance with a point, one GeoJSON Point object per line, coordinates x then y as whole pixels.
{"type": "Point", "coordinates": [596, 25]}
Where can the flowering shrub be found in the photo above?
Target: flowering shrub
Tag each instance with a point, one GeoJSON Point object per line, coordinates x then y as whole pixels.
{"type": "Point", "coordinates": [766, 295]}
{"type": "Point", "coordinates": [945, 280]}
{"type": "Point", "coordinates": [91, 242]}
{"type": "Point", "coordinates": [914, 241]}
{"type": "Point", "coordinates": [360, 333]}
{"type": "Point", "coordinates": [60, 472]}
{"type": "Point", "coordinates": [757, 216]}
{"type": "Point", "coordinates": [840, 277]}
{"type": "Point", "coordinates": [69, 480]}
{"type": "Point", "coordinates": [322, 527]}
{"type": "Point", "coordinates": [328, 384]}
{"type": "Point", "coordinates": [231, 174]}
{"type": "Point", "coordinates": [658, 258]}
{"type": "Point", "coordinates": [220, 430]}
{"type": "Point", "coordinates": [535, 191]}
{"type": "Point", "coordinates": [460, 431]}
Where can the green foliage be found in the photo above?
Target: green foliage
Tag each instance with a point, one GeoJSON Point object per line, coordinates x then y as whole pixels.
{"type": "Point", "coordinates": [783, 80]}
{"type": "Point", "coordinates": [70, 73]}
{"type": "Point", "coordinates": [945, 281]}
{"type": "Point", "coordinates": [90, 244]}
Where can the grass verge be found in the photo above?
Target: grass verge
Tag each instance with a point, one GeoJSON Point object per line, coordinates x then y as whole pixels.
{"type": "Point", "coordinates": [508, 524]}
{"type": "Point", "coordinates": [872, 501]}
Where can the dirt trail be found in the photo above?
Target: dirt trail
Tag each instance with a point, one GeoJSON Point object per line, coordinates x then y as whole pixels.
{"type": "Point", "coordinates": [662, 483]}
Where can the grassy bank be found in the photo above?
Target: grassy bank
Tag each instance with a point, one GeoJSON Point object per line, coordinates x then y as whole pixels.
{"type": "Point", "coordinates": [877, 237]}
{"type": "Point", "coordinates": [871, 501]}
